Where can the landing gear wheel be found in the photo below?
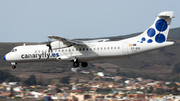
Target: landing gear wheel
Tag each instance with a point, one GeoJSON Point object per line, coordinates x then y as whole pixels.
{"type": "Point", "coordinates": [14, 67]}
{"type": "Point", "coordinates": [84, 64]}
{"type": "Point", "coordinates": [76, 64]}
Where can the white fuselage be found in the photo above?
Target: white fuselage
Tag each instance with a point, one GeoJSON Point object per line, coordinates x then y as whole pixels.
{"type": "Point", "coordinates": [93, 51]}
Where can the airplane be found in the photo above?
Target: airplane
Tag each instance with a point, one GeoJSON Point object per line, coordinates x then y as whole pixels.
{"type": "Point", "coordinates": [81, 52]}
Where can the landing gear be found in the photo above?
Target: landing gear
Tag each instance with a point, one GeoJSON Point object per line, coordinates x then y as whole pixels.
{"type": "Point", "coordinates": [84, 64]}
{"type": "Point", "coordinates": [13, 65]}
{"type": "Point", "coordinates": [76, 64]}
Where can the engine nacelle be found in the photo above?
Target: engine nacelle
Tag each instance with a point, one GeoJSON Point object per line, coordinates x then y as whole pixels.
{"type": "Point", "coordinates": [58, 45]}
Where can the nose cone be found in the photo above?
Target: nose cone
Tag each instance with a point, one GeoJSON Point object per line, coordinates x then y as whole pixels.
{"type": "Point", "coordinates": [4, 57]}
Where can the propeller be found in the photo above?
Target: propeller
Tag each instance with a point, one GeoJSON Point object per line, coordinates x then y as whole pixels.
{"type": "Point", "coordinates": [49, 45]}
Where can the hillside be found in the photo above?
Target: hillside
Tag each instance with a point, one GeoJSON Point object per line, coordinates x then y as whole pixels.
{"type": "Point", "coordinates": [157, 63]}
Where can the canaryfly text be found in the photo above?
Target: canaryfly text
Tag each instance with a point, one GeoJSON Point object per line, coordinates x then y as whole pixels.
{"type": "Point", "coordinates": [39, 56]}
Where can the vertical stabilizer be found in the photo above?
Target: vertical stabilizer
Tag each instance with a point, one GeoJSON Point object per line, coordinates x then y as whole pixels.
{"type": "Point", "coordinates": [158, 32]}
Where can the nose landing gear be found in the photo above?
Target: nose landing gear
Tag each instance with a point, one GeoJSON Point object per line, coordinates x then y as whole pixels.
{"type": "Point", "coordinates": [13, 65]}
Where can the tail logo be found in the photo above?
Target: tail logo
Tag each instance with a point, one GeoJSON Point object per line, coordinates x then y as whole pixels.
{"type": "Point", "coordinates": [151, 32]}
{"type": "Point", "coordinates": [160, 25]}
{"type": "Point", "coordinates": [160, 38]}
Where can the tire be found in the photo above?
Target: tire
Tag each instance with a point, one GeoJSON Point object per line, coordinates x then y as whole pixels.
{"type": "Point", "coordinates": [84, 64]}
{"type": "Point", "coordinates": [14, 67]}
{"type": "Point", "coordinates": [76, 64]}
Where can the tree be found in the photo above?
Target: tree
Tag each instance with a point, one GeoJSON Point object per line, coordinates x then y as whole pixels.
{"type": "Point", "coordinates": [176, 68]}
{"type": "Point", "coordinates": [175, 91]}
{"type": "Point", "coordinates": [172, 84]}
{"type": "Point", "coordinates": [77, 80]}
{"type": "Point", "coordinates": [117, 70]}
{"type": "Point", "coordinates": [31, 80]}
{"type": "Point", "coordinates": [6, 76]}
{"type": "Point", "coordinates": [58, 90]}
{"type": "Point", "coordinates": [103, 90]}
{"type": "Point", "coordinates": [150, 90]}
{"type": "Point", "coordinates": [12, 92]}
{"type": "Point", "coordinates": [160, 91]}
{"type": "Point", "coordinates": [41, 82]}
{"type": "Point", "coordinates": [65, 80]}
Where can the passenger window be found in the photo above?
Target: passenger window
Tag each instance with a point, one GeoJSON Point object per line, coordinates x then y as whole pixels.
{"type": "Point", "coordinates": [87, 49]}
{"type": "Point", "coordinates": [83, 49]}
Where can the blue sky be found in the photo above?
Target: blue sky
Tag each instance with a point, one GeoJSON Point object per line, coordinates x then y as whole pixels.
{"type": "Point", "coordinates": [33, 20]}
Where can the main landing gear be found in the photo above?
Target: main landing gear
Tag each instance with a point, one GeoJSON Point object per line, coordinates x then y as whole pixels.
{"type": "Point", "coordinates": [76, 64]}
{"type": "Point", "coordinates": [13, 65]}
{"type": "Point", "coordinates": [83, 64]}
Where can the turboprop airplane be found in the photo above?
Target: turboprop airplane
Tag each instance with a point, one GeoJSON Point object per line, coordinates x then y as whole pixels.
{"type": "Point", "coordinates": [81, 52]}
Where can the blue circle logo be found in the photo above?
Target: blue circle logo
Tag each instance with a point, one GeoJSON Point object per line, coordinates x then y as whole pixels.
{"type": "Point", "coordinates": [160, 38]}
{"type": "Point", "coordinates": [143, 39]}
{"type": "Point", "coordinates": [151, 32]}
{"type": "Point", "coordinates": [150, 41]}
{"type": "Point", "coordinates": [161, 25]}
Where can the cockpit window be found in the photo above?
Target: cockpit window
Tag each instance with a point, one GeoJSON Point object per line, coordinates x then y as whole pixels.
{"type": "Point", "coordinates": [14, 50]}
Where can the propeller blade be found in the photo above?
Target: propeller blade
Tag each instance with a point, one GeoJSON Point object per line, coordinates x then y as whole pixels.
{"type": "Point", "coordinates": [49, 45]}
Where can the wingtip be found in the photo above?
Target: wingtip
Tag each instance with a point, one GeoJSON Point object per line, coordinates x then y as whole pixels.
{"type": "Point", "coordinates": [49, 36]}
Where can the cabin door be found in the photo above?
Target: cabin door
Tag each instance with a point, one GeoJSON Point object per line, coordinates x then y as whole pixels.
{"type": "Point", "coordinates": [125, 48]}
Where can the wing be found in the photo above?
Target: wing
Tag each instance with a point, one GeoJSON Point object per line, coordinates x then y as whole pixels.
{"type": "Point", "coordinates": [65, 41]}
{"type": "Point", "coordinates": [96, 40]}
